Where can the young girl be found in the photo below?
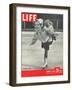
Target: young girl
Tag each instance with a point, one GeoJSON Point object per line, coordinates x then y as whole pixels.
{"type": "Point", "coordinates": [45, 34]}
{"type": "Point", "coordinates": [49, 30]}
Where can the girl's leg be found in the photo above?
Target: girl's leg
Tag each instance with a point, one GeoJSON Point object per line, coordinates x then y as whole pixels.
{"type": "Point", "coordinates": [45, 58]}
{"type": "Point", "coordinates": [45, 53]}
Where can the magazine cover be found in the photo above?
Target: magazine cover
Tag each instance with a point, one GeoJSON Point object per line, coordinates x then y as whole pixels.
{"type": "Point", "coordinates": [39, 44]}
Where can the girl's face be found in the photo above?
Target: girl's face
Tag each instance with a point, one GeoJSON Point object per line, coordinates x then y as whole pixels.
{"type": "Point", "coordinates": [37, 27]}
{"type": "Point", "coordinates": [48, 24]}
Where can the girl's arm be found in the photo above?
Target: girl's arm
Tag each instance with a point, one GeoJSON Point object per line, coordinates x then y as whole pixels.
{"type": "Point", "coordinates": [34, 39]}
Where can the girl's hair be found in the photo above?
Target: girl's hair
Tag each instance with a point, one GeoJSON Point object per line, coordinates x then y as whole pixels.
{"type": "Point", "coordinates": [48, 21]}
{"type": "Point", "coordinates": [39, 21]}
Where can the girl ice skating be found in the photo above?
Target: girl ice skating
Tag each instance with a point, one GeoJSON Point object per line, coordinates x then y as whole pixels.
{"type": "Point", "coordinates": [45, 33]}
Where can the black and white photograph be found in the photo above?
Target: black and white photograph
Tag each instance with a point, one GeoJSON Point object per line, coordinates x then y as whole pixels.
{"type": "Point", "coordinates": [42, 41]}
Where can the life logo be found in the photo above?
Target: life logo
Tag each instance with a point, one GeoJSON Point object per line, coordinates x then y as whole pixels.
{"type": "Point", "coordinates": [28, 17]}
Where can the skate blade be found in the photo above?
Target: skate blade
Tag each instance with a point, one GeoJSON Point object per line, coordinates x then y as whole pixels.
{"type": "Point", "coordinates": [45, 67]}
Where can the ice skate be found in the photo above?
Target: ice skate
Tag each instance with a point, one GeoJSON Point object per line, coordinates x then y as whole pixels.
{"type": "Point", "coordinates": [45, 64]}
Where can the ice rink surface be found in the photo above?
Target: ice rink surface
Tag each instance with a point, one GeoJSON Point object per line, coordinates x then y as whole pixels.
{"type": "Point", "coordinates": [32, 56]}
